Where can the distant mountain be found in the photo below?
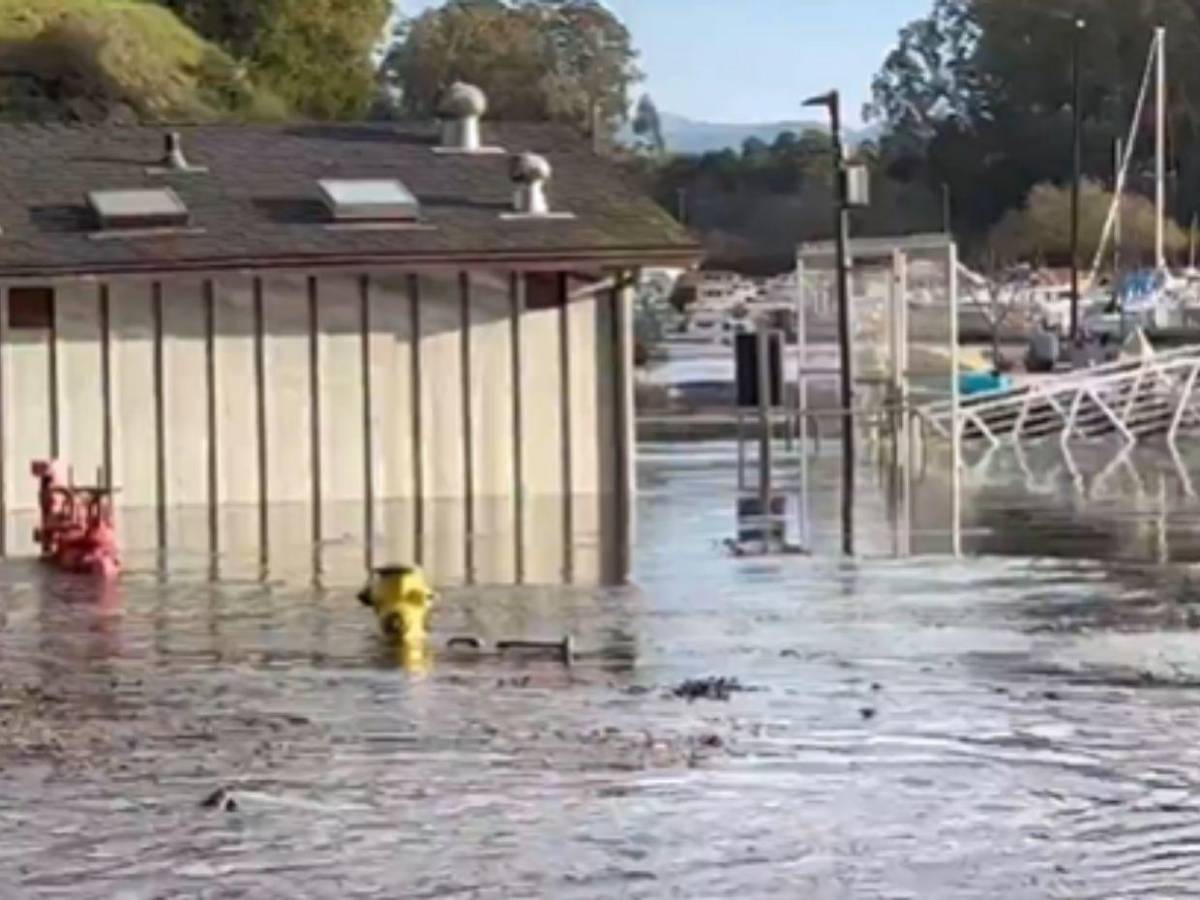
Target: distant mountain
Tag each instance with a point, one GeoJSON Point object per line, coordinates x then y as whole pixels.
{"type": "Point", "coordinates": [684, 135]}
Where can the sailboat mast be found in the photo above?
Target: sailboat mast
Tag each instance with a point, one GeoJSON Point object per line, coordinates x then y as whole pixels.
{"type": "Point", "coordinates": [1192, 246]}
{"type": "Point", "coordinates": [1118, 183]}
{"type": "Point", "coordinates": [1160, 153]}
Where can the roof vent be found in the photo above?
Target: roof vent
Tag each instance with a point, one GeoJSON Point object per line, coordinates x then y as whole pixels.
{"type": "Point", "coordinates": [461, 109]}
{"type": "Point", "coordinates": [369, 200]}
{"type": "Point", "coordinates": [173, 152]}
{"type": "Point", "coordinates": [529, 173]}
{"type": "Point", "coordinates": [138, 208]}
{"type": "Point", "coordinates": [174, 160]}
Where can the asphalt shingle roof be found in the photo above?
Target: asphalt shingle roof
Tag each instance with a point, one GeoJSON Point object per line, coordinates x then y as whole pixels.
{"type": "Point", "coordinates": [259, 203]}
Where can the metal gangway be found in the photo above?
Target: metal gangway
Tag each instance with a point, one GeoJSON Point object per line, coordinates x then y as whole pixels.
{"type": "Point", "coordinates": [1153, 395]}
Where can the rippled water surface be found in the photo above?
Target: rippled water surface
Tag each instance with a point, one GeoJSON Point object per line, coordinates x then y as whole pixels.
{"type": "Point", "coordinates": [1004, 726]}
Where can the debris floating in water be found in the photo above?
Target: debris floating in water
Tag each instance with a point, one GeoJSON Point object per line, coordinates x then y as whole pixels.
{"type": "Point", "coordinates": [708, 689]}
{"type": "Point", "coordinates": [564, 650]}
{"type": "Point", "coordinates": [222, 799]}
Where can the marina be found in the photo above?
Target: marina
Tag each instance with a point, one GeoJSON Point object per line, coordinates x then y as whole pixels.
{"type": "Point", "coordinates": [429, 468]}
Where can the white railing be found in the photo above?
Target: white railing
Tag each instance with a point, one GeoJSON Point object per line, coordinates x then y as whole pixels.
{"type": "Point", "coordinates": [1124, 397]}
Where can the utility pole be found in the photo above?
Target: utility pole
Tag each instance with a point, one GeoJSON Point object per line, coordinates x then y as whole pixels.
{"type": "Point", "coordinates": [1077, 168]}
{"type": "Point", "coordinates": [946, 208]}
{"type": "Point", "coordinates": [832, 101]}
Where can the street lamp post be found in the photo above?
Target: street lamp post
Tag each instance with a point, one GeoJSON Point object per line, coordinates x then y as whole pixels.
{"type": "Point", "coordinates": [832, 102]}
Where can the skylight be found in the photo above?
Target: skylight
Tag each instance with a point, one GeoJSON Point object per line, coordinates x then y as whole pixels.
{"type": "Point", "coordinates": [138, 208]}
{"type": "Point", "coordinates": [369, 200]}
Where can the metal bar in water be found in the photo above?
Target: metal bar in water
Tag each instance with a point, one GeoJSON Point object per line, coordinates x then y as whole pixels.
{"type": "Point", "coordinates": [764, 440]}
{"type": "Point", "coordinates": [741, 450]}
{"type": "Point", "coordinates": [1184, 399]}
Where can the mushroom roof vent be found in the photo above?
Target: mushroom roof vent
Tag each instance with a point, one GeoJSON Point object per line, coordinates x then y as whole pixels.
{"type": "Point", "coordinates": [463, 101]}
{"type": "Point", "coordinates": [530, 173]}
{"type": "Point", "coordinates": [461, 108]}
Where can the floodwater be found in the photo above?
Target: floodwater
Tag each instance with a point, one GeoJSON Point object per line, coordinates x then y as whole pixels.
{"type": "Point", "coordinates": [1020, 724]}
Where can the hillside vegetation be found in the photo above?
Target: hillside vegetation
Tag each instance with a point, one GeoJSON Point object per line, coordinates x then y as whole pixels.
{"type": "Point", "coordinates": [117, 60]}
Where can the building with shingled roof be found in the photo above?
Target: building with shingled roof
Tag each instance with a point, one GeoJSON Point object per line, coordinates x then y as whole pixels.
{"type": "Point", "coordinates": [269, 337]}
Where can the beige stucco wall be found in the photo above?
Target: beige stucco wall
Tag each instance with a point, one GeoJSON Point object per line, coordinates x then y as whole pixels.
{"type": "Point", "coordinates": [309, 423]}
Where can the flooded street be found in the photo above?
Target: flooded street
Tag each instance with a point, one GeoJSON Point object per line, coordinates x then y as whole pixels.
{"type": "Point", "coordinates": [1010, 725]}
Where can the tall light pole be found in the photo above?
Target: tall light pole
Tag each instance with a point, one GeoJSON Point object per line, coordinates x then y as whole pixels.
{"type": "Point", "coordinates": [832, 102]}
{"type": "Point", "coordinates": [1077, 167]}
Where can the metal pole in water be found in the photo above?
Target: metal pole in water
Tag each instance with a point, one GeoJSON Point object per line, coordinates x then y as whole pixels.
{"type": "Point", "coordinates": [843, 291]}
{"type": "Point", "coordinates": [764, 441]}
{"type": "Point", "coordinates": [741, 450]}
{"type": "Point", "coordinates": [832, 101]}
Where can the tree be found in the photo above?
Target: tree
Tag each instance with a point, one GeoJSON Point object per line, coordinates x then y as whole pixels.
{"type": "Point", "coordinates": [1041, 230]}
{"type": "Point", "coordinates": [591, 60]}
{"type": "Point", "coordinates": [752, 207]}
{"type": "Point", "coordinates": [978, 94]}
{"type": "Point", "coordinates": [318, 55]}
{"type": "Point", "coordinates": [996, 296]}
{"type": "Point", "coordinates": [928, 79]}
{"type": "Point", "coordinates": [566, 60]}
{"type": "Point", "coordinates": [647, 126]}
{"type": "Point", "coordinates": [111, 60]}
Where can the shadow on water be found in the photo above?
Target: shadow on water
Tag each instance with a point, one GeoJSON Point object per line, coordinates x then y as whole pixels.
{"type": "Point", "coordinates": [922, 724]}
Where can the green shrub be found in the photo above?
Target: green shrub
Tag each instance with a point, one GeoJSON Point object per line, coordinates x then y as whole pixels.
{"type": "Point", "coordinates": [85, 60]}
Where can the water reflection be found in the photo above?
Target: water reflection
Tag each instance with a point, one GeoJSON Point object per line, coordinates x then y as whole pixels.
{"type": "Point", "coordinates": [1097, 500]}
{"type": "Point", "coordinates": [926, 727]}
{"type": "Point", "coordinates": [574, 540]}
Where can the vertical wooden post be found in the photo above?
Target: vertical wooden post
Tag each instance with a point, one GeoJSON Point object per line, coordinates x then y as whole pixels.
{"type": "Point", "coordinates": [5, 418]}
{"type": "Point", "coordinates": [160, 418]}
{"type": "Point", "coordinates": [464, 299]}
{"type": "Point", "coordinates": [418, 438]}
{"type": "Point", "coordinates": [568, 450]}
{"type": "Point", "coordinates": [516, 314]}
{"type": "Point", "coordinates": [260, 393]}
{"type": "Point", "coordinates": [210, 396]}
{"type": "Point", "coordinates": [314, 419]}
{"type": "Point", "coordinates": [364, 299]}
{"type": "Point", "coordinates": [106, 383]}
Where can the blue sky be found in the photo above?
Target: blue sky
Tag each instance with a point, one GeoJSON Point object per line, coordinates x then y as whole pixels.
{"type": "Point", "coordinates": [756, 60]}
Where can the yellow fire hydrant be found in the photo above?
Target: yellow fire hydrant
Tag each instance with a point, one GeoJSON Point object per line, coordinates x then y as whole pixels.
{"type": "Point", "coordinates": [401, 599]}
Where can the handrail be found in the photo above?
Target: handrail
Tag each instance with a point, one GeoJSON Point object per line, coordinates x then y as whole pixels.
{"type": "Point", "coordinates": [1114, 390]}
{"type": "Point", "coordinates": [1072, 381]}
